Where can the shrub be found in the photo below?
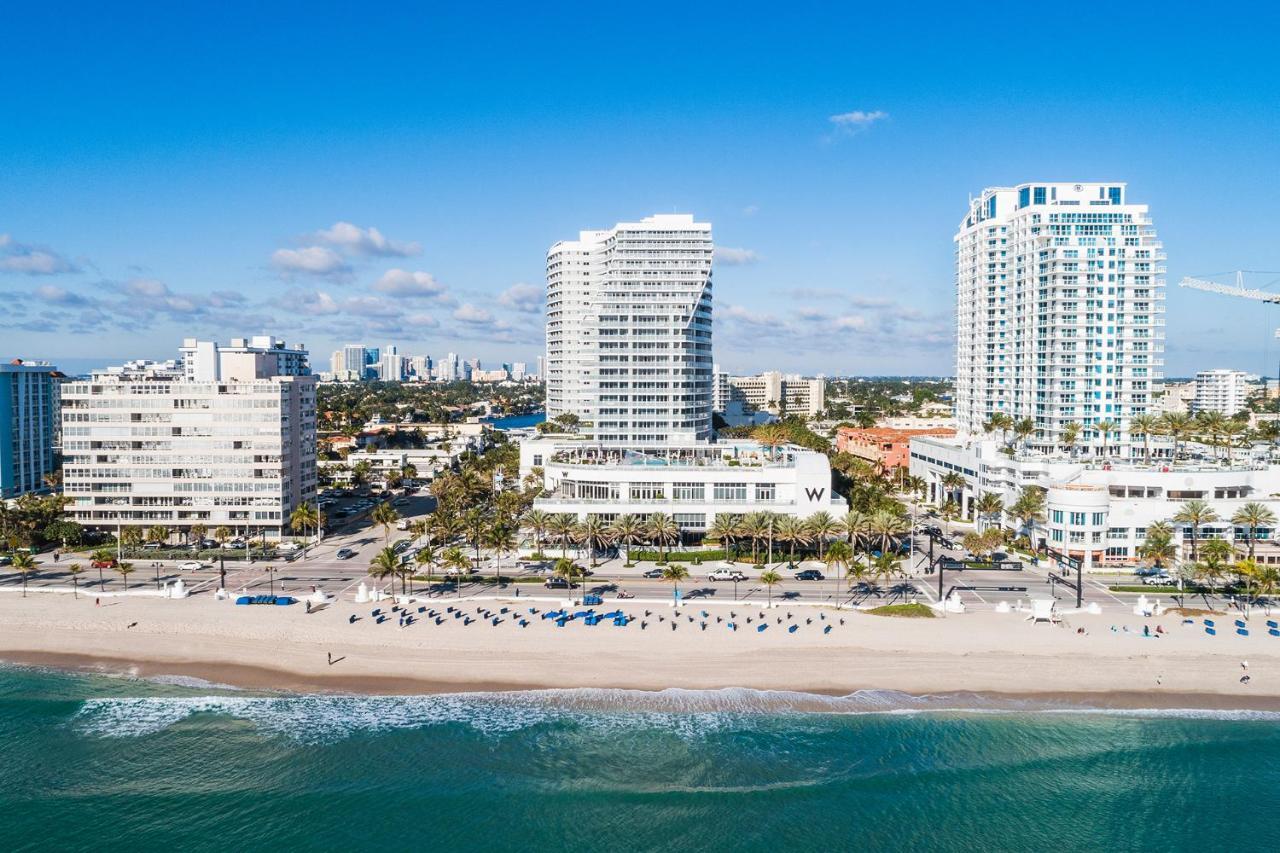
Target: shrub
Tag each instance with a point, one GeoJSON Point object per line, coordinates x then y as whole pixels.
{"type": "Point", "coordinates": [679, 556]}
{"type": "Point", "coordinates": [904, 611]}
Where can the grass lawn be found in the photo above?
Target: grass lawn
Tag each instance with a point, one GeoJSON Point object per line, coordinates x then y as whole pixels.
{"type": "Point", "coordinates": [905, 611]}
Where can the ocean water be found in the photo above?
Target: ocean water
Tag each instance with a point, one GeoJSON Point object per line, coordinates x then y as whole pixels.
{"type": "Point", "coordinates": [96, 762]}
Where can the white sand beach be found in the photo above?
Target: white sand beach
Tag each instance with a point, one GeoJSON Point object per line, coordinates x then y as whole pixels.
{"type": "Point", "coordinates": [287, 648]}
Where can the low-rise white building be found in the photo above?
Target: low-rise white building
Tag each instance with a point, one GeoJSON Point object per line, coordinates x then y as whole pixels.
{"type": "Point", "coordinates": [1097, 510]}
{"type": "Point", "coordinates": [777, 393]}
{"type": "Point", "coordinates": [693, 484]}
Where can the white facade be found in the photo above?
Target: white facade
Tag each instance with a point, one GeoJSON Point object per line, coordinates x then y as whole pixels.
{"type": "Point", "coordinates": [693, 484]}
{"type": "Point", "coordinates": [629, 331]}
{"type": "Point", "coordinates": [779, 393]}
{"type": "Point", "coordinates": [1060, 310]}
{"type": "Point", "coordinates": [1222, 391]}
{"type": "Point", "coordinates": [1097, 510]}
{"type": "Point", "coordinates": [259, 357]}
{"type": "Point", "coordinates": [146, 445]}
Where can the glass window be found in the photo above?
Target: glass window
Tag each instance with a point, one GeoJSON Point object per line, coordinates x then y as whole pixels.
{"type": "Point", "coordinates": [1039, 195]}
{"type": "Point", "coordinates": [647, 492]}
{"type": "Point", "coordinates": [1077, 518]}
{"type": "Point", "coordinates": [736, 492]}
{"type": "Point", "coordinates": [1099, 518]}
{"type": "Point", "coordinates": [766, 492]}
{"type": "Point", "coordinates": [688, 492]}
{"type": "Point", "coordinates": [1024, 196]}
{"type": "Point", "coordinates": [1057, 516]}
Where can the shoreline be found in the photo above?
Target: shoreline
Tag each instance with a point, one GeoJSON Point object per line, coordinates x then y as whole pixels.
{"type": "Point", "coordinates": [1088, 662]}
{"type": "Point", "coordinates": [267, 679]}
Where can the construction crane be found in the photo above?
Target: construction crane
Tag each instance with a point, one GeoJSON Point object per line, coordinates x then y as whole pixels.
{"type": "Point", "coordinates": [1237, 289]}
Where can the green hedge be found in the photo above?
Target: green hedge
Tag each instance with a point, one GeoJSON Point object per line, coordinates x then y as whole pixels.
{"type": "Point", "coordinates": [904, 611]}
{"type": "Point", "coordinates": [680, 556]}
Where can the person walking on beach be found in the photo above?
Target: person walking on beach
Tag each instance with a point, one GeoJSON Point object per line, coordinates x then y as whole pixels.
{"type": "Point", "coordinates": [330, 658]}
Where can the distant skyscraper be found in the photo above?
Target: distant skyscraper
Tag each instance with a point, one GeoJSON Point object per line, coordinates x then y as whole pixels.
{"type": "Point", "coordinates": [1060, 303]}
{"type": "Point", "coordinates": [518, 371]}
{"type": "Point", "coordinates": [28, 414]}
{"type": "Point", "coordinates": [353, 361]}
{"type": "Point", "coordinates": [336, 365]}
{"type": "Point", "coordinates": [542, 367]}
{"type": "Point", "coordinates": [629, 331]}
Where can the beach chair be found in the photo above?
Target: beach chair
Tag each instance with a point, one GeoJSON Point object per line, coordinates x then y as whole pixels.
{"type": "Point", "coordinates": [826, 630]}
{"type": "Point", "coordinates": [1042, 611]}
{"type": "Point", "coordinates": [1212, 632]}
{"type": "Point", "coordinates": [760, 628]}
{"type": "Point", "coordinates": [1243, 632]}
{"type": "Point", "coordinates": [792, 629]}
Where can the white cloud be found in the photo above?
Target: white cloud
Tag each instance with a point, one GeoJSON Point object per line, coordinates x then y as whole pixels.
{"type": "Point", "coordinates": [31, 260]}
{"type": "Point", "coordinates": [856, 121]}
{"type": "Point", "coordinates": [468, 313]}
{"type": "Point", "coordinates": [744, 315]}
{"type": "Point", "coordinates": [312, 260]}
{"type": "Point", "coordinates": [398, 282]}
{"type": "Point", "coordinates": [365, 241]}
{"type": "Point", "coordinates": [522, 297]}
{"type": "Point", "coordinates": [59, 296]}
{"type": "Point", "coordinates": [736, 257]}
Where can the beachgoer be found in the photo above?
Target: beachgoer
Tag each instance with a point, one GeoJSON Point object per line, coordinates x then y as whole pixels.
{"type": "Point", "coordinates": [97, 602]}
{"type": "Point", "coordinates": [330, 658]}
{"type": "Point", "coordinates": [1244, 664]}
{"type": "Point", "coordinates": [1244, 679]}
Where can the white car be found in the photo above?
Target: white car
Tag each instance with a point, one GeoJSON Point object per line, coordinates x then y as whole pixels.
{"type": "Point", "coordinates": [726, 575]}
{"type": "Point", "coordinates": [289, 547]}
{"type": "Point", "coordinates": [191, 566]}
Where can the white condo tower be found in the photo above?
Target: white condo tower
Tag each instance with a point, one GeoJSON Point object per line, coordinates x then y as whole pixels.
{"type": "Point", "coordinates": [629, 331]}
{"type": "Point", "coordinates": [1060, 310]}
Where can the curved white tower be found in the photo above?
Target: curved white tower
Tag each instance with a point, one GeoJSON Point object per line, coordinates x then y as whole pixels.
{"type": "Point", "coordinates": [629, 331]}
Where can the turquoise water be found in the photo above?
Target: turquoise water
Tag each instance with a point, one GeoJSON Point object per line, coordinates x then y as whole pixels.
{"type": "Point", "coordinates": [107, 763]}
{"type": "Point", "coordinates": [517, 421]}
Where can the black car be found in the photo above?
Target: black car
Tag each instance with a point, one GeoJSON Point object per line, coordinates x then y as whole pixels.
{"type": "Point", "coordinates": [557, 583]}
{"type": "Point", "coordinates": [810, 575]}
{"type": "Point", "coordinates": [653, 573]}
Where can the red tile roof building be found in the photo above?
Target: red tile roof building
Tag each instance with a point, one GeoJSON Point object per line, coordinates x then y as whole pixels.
{"type": "Point", "coordinates": [887, 447]}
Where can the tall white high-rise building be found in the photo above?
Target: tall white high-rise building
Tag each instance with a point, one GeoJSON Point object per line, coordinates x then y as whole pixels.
{"type": "Point", "coordinates": [1222, 391]}
{"type": "Point", "coordinates": [353, 361]}
{"type": "Point", "coordinates": [542, 368]}
{"type": "Point", "coordinates": [629, 331]}
{"type": "Point", "coordinates": [225, 437]}
{"type": "Point", "coordinates": [1060, 310]}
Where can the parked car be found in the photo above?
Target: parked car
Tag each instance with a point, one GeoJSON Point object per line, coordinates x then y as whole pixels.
{"type": "Point", "coordinates": [999, 557]}
{"type": "Point", "coordinates": [1159, 580]}
{"type": "Point", "coordinates": [652, 573]}
{"type": "Point", "coordinates": [726, 575]}
{"type": "Point", "coordinates": [345, 554]}
{"type": "Point", "coordinates": [289, 547]}
{"type": "Point", "coordinates": [810, 575]}
{"type": "Point", "coordinates": [402, 524]}
{"type": "Point", "coordinates": [104, 564]}
{"type": "Point", "coordinates": [5, 560]}
{"type": "Point", "coordinates": [191, 566]}
{"type": "Point", "coordinates": [557, 583]}
{"type": "Point", "coordinates": [152, 546]}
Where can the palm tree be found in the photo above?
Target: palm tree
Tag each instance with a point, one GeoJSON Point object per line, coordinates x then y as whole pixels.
{"type": "Point", "coordinates": [198, 532]}
{"type": "Point", "coordinates": [131, 537]}
{"type": "Point", "coordinates": [771, 436]}
{"type": "Point", "coordinates": [627, 530]}
{"type": "Point", "coordinates": [950, 512]}
{"type": "Point", "coordinates": [1232, 429]}
{"type": "Point", "coordinates": [457, 561]}
{"type": "Point", "coordinates": [856, 571]}
{"type": "Point", "coordinates": [25, 564]}
{"type": "Point", "coordinates": [663, 531]}
{"type": "Point", "coordinates": [822, 527]}
{"type": "Point", "coordinates": [562, 526]}
{"type": "Point", "coordinates": [385, 516]}
{"type": "Point", "coordinates": [567, 569]}
{"type": "Point", "coordinates": [770, 579]}
{"type": "Point", "coordinates": [954, 483]}
{"type": "Point", "coordinates": [74, 570]}
{"type": "Point", "coordinates": [791, 531]}
{"type": "Point", "coordinates": [1178, 425]}
{"type": "Point", "coordinates": [886, 567]}
{"type": "Point", "coordinates": [988, 507]}
{"type": "Point", "coordinates": [221, 535]}
{"type": "Point", "coordinates": [427, 556]}
{"type": "Point", "coordinates": [502, 540]}
{"type": "Point", "coordinates": [1070, 435]}
{"type": "Point", "coordinates": [673, 574]}
{"type": "Point", "coordinates": [1106, 428]}
{"type": "Point", "coordinates": [306, 516]}
{"type": "Point", "coordinates": [537, 521]}
{"type": "Point", "coordinates": [1195, 513]}
{"type": "Point", "coordinates": [385, 564]}
{"type": "Point", "coordinates": [124, 570]}
{"type": "Point", "coordinates": [158, 534]}
{"type": "Point", "coordinates": [888, 526]}
{"type": "Point", "coordinates": [1145, 426]}
{"type": "Point", "coordinates": [724, 529]}
{"type": "Point", "coordinates": [1158, 547]}
{"type": "Point", "coordinates": [856, 526]}
{"type": "Point", "coordinates": [838, 558]}
{"type": "Point", "coordinates": [103, 557]}
{"type": "Point", "coordinates": [593, 534]}
{"type": "Point", "coordinates": [476, 524]}
{"type": "Point", "coordinates": [1253, 515]}
{"type": "Point", "coordinates": [1024, 429]}
{"type": "Point", "coordinates": [1029, 510]}
{"type": "Point", "coordinates": [1246, 571]}
{"type": "Point", "coordinates": [756, 526]}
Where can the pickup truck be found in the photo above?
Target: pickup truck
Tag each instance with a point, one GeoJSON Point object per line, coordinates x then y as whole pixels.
{"type": "Point", "coordinates": [726, 575]}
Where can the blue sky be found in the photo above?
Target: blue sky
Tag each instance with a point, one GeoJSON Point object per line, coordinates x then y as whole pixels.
{"type": "Point", "coordinates": [386, 173]}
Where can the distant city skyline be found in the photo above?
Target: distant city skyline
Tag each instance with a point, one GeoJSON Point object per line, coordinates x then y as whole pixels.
{"type": "Point", "coordinates": [264, 182]}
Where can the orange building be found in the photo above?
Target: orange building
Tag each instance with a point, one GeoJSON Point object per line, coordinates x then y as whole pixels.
{"type": "Point", "coordinates": [890, 448]}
